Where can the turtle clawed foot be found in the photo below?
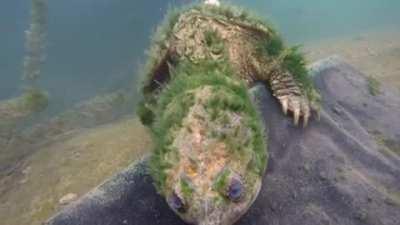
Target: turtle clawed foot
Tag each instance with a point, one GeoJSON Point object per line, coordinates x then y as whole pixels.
{"type": "Point", "coordinates": [298, 106]}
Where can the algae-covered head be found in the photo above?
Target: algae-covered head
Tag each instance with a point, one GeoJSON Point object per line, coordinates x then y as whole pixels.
{"type": "Point", "coordinates": [211, 152]}
{"type": "Point", "coordinates": [209, 187]}
{"type": "Point", "coordinates": [213, 180]}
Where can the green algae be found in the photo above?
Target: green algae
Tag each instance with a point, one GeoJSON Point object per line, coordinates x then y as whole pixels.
{"type": "Point", "coordinates": [387, 145]}
{"type": "Point", "coordinates": [158, 50]}
{"type": "Point", "coordinates": [270, 44]}
{"type": "Point", "coordinates": [373, 86]}
{"type": "Point", "coordinates": [214, 42]}
{"type": "Point", "coordinates": [221, 182]}
{"type": "Point", "coordinates": [228, 95]}
{"type": "Point", "coordinates": [186, 189]}
{"type": "Point", "coordinates": [35, 100]}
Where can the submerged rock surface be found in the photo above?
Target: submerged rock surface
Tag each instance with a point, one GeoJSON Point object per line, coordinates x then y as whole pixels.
{"type": "Point", "coordinates": [343, 169]}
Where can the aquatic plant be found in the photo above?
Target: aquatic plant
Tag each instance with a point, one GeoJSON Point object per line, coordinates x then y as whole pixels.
{"type": "Point", "coordinates": [33, 100]}
{"type": "Point", "coordinates": [373, 86]}
{"type": "Point", "coordinates": [35, 42]}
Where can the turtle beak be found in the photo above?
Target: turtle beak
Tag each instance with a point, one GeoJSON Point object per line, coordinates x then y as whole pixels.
{"type": "Point", "coordinates": [212, 216]}
{"type": "Point", "coordinates": [209, 213]}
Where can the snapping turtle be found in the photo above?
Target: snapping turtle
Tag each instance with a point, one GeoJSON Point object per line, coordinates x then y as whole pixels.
{"type": "Point", "coordinates": [210, 151]}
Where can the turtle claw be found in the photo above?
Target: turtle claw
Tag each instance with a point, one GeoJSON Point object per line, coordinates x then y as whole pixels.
{"type": "Point", "coordinates": [296, 115]}
{"type": "Point", "coordinates": [284, 103]}
{"type": "Point", "coordinates": [299, 106]}
{"type": "Point", "coordinates": [306, 116]}
{"type": "Point", "coordinates": [305, 123]}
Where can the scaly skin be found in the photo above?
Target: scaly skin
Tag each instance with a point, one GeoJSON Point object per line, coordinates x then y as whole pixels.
{"type": "Point", "coordinates": [211, 155]}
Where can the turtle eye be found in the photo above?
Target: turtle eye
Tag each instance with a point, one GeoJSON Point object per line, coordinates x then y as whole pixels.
{"type": "Point", "coordinates": [176, 203]}
{"type": "Point", "coordinates": [235, 190]}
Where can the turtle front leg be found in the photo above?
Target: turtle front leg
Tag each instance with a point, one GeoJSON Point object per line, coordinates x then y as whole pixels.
{"type": "Point", "coordinates": [296, 94]}
{"type": "Point", "coordinates": [290, 95]}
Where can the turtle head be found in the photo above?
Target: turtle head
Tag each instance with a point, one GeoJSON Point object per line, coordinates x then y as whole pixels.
{"type": "Point", "coordinates": [211, 152]}
{"type": "Point", "coordinates": [220, 202]}
{"type": "Point", "coordinates": [214, 180]}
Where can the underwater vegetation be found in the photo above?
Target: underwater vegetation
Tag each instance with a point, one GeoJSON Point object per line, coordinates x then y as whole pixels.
{"type": "Point", "coordinates": [33, 98]}
{"type": "Point", "coordinates": [35, 42]}
{"type": "Point", "coordinates": [373, 86]}
{"type": "Point", "coordinates": [16, 109]}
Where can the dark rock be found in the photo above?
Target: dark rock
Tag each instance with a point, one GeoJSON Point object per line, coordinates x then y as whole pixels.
{"type": "Point", "coordinates": [332, 172]}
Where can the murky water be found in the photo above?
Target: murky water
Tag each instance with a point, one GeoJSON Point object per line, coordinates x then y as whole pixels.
{"type": "Point", "coordinates": [94, 49]}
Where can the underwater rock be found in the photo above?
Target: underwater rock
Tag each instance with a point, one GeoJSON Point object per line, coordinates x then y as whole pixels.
{"type": "Point", "coordinates": [342, 169]}
{"type": "Point", "coordinates": [68, 198]}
